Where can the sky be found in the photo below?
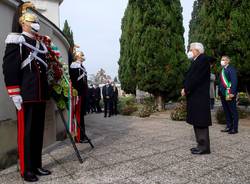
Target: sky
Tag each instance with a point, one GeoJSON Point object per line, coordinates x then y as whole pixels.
{"type": "Point", "coordinates": [96, 25]}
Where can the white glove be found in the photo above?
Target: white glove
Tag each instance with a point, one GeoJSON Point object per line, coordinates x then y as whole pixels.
{"type": "Point", "coordinates": [18, 100]}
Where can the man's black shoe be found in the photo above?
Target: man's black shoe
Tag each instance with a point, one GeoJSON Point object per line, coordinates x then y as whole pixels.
{"type": "Point", "coordinates": [194, 149]}
{"type": "Point", "coordinates": [30, 177]}
{"type": "Point", "coordinates": [226, 130]}
{"type": "Point", "coordinates": [233, 132]}
{"type": "Point", "coordinates": [105, 116]}
{"type": "Point", "coordinates": [42, 172]}
{"type": "Point", "coordinates": [83, 141]}
{"type": "Point", "coordinates": [200, 152]}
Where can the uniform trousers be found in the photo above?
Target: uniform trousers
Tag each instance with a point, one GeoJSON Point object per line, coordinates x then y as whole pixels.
{"type": "Point", "coordinates": [80, 111]}
{"type": "Point", "coordinates": [30, 135]}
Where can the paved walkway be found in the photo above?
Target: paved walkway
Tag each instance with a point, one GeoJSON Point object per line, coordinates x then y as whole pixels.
{"type": "Point", "coordinates": [155, 150]}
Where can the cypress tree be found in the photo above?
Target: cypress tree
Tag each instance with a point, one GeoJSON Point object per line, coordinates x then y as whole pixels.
{"type": "Point", "coordinates": [129, 41]}
{"type": "Point", "coordinates": [224, 28]}
{"type": "Point", "coordinates": [68, 33]}
{"type": "Point", "coordinates": [152, 43]}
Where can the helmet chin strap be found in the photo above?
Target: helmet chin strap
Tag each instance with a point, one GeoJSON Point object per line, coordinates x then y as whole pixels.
{"type": "Point", "coordinates": [33, 30]}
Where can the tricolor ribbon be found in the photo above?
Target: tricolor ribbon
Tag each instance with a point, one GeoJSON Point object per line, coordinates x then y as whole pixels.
{"type": "Point", "coordinates": [226, 84]}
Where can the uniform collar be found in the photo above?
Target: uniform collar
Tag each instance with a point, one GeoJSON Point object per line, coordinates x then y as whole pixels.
{"type": "Point", "coordinates": [196, 57]}
{"type": "Point", "coordinates": [28, 34]}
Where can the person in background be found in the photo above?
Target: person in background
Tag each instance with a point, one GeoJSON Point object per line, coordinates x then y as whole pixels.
{"type": "Point", "coordinates": [92, 98]}
{"type": "Point", "coordinates": [107, 93]}
{"type": "Point", "coordinates": [212, 90]}
{"type": "Point", "coordinates": [97, 98]}
{"type": "Point", "coordinates": [228, 92]}
{"type": "Point", "coordinates": [114, 99]}
{"type": "Point", "coordinates": [196, 90]}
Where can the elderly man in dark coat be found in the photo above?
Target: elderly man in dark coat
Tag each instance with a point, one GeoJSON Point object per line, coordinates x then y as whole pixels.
{"type": "Point", "coordinates": [196, 89]}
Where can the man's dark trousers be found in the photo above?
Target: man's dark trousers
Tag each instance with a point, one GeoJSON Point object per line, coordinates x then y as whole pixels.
{"type": "Point", "coordinates": [107, 107]}
{"type": "Point", "coordinates": [230, 109]}
{"type": "Point", "coordinates": [202, 138]}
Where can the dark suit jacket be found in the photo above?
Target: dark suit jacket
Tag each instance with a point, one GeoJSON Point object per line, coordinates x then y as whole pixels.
{"type": "Point", "coordinates": [80, 85]}
{"type": "Point", "coordinates": [196, 85]}
{"type": "Point", "coordinates": [97, 93]}
{"type": "Point", "coordinates": [107, 92]}
{"type": "Point", "coordinates": [231, 76]}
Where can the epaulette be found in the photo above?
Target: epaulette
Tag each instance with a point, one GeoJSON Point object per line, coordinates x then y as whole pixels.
{"type": "Point", "coordinates": [14, 38]}
{"type": "Point", "coordinates": [75, 65]}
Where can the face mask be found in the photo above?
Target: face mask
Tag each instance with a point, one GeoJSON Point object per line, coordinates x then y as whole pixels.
{"type": "Point", "coordinates": [35, 27]}
{"type": "Point", "coordinates": [190, 55]}
{"type": "Point", "coordinates": [222, 63]}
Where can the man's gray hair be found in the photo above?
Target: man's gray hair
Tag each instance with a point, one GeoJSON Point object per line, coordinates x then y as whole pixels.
{"type": "Point", "coordinates": [198, 46]}
{"type": "Point", "coordinates": [226, 57]}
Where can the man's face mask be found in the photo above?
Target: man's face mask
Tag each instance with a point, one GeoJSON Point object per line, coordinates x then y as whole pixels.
{"type": "Point", "coordinates": [223, 63]}
{"type": "Point", "coordinates": [35, 27]}
{"type": "Point", "coordinates": [190, 55]}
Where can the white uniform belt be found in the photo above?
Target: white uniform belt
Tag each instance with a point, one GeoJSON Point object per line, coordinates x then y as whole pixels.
{"type": "Point", "coordinates": [80, 77]}
{"type": "Point", "coordinates": [32, 56]}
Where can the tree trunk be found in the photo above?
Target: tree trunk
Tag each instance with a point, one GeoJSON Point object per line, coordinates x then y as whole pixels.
{"type": "Point", "coordinates": [247, 92]}
{"type": "Point", "coordinates": [159, 102]}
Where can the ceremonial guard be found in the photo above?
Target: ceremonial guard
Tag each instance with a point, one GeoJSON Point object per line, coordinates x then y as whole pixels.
{"type": "Point", "coordinates": [78, 77]}
{"type": "Point", "coordinates": [24, 69]}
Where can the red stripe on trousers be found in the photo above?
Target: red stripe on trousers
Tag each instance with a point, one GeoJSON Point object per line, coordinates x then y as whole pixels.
{"type": "Point", "coordinates": [78, 119]}
{"type": "Point", "coordinates": [20, 119]}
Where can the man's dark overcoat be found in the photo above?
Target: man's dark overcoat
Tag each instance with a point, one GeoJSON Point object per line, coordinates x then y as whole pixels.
{"type": "Point", "coordinates": [196, 86]}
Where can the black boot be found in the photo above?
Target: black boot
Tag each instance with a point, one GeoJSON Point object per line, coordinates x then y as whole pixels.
{"type": "Point", "coordinates": [42, 172]}
{"type": "Point", "coordinates": [30, 177]}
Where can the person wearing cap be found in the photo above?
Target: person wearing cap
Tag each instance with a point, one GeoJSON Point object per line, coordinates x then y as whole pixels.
{"type": "Point", "coordinates": [78, 76]}
{"type": "Point", "coordinates": [196, 90]}
{"type": "Point", "coordinates": [25, 76]}
{"type": "Point", "coordinates": [228, 93]}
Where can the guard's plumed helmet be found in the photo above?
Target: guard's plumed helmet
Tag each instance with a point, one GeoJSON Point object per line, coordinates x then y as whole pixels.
{"type": "Point", "coordinates": [28, 18]}
{"type": "Point", "coordinates": [79, 55]}
{"type": "Point", "coordinates": [26, 6]}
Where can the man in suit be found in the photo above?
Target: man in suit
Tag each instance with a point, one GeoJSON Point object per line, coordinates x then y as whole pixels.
{"type": "Point", "coordinates": [25, 74]}
{"type": "Point", "coordinates": [107, 93]}
{"type": "Point", "coordinates": [196, 90]}
{"type": "Point", "coordinates": [228, 93]}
